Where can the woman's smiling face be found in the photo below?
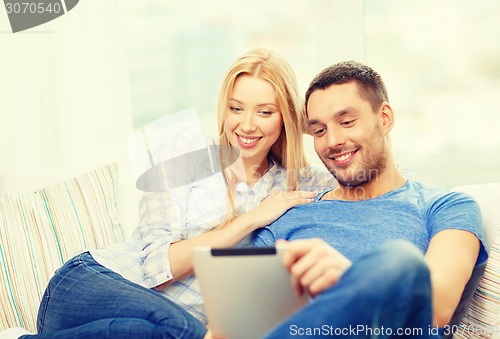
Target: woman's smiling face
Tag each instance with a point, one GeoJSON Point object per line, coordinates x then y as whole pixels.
{"type": "Point", "coordinates": [253, 122]}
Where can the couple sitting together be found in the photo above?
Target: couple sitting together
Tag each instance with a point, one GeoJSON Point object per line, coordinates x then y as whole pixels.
{"type": "Point", "coordinates": [370, 246]}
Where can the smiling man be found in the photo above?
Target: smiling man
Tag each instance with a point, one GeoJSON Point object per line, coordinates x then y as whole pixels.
{"type": "Point", "coordinates": [390, 256]}
{"type": "Point", "coordinates": [349, 137]}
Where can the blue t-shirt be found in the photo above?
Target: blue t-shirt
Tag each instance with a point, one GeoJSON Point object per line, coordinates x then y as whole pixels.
{"type": "Point", "coordinates": [414, 212]}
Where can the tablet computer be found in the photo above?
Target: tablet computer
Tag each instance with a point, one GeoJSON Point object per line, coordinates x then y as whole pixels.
{"type": "Point", "coordinates": [246, 291]}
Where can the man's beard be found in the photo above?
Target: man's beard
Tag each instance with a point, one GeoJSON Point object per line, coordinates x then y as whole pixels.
{"type": "Point", "coordinates": [369, 170]}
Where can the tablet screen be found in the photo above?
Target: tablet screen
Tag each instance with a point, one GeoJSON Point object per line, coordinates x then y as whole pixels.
{"type": "Point", "coordinates": [246, 291]}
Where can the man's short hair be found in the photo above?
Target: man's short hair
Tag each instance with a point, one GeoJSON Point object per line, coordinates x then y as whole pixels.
{"type": "Point", "coordinates": [371, 85]}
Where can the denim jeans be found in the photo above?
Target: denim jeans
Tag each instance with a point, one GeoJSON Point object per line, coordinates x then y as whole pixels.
{"type": "Point", "coordinates": [87, 300]}
{"type": "Point", "coordinates": [385, 294]}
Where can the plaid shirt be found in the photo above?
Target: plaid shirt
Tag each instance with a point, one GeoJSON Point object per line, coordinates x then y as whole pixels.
{"type": "Point", "coordinates": [186, 212]}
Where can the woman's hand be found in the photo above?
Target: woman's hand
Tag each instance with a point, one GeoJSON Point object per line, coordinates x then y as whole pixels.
{"type": "Point", "coordinates": [277, 203]}
{"type": "Point", "coordinates": [313, 264]}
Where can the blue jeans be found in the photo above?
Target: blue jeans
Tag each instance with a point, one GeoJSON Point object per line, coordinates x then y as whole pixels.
{"type": "Point", "coordinates": [87, 300]}
{"type": "Point", "coordinates": [385, 294]}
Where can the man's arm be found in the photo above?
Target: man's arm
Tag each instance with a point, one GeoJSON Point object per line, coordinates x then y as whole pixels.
{"type": "Point", "coordinates": [451, 256]}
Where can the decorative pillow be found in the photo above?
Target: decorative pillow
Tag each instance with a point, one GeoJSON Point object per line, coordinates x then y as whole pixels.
{"type": "Point", "coordinates": [40, 230]}
{"type": "Point", "coordinates": [483, 315]}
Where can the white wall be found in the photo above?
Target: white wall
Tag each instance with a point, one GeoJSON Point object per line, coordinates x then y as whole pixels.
{"type": "Point", "coordinates": [64, 95]}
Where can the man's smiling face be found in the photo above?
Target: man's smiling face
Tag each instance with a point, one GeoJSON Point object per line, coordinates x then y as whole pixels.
{"type": "Point", "coordinates": [348, 134]}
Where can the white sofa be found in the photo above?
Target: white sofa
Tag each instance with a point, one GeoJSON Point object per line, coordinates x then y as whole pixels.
{"type": "Point", "coordinates": [42, 227]}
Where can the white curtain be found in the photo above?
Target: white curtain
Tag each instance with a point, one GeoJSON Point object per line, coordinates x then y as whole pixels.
{"type": "Point", "coordinates": [64, 93]}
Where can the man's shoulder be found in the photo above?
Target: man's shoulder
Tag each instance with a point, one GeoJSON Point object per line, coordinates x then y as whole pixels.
{"type": "Point", "coordinates": [430, 191]}
{"type": "Point", "coordinates": [432, 195]}
{"type": "Point", "coordinates": [420, 186]}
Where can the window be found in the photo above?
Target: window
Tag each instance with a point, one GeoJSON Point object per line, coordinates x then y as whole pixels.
{"type": "Point", "coordinates": [179, 51]}
{"type": "Point", "coordinates": [440, 62]}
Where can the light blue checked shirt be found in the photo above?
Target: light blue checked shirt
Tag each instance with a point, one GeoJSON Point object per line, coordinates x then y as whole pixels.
{"type": "Point", "coordinates": [185, 212]}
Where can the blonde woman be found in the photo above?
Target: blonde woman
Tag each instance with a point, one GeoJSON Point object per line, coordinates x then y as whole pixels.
{"type": "Point", "coordinates": [145, 287]}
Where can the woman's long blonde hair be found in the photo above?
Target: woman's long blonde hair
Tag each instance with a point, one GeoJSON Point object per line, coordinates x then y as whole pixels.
{"type": "Point", "coordinates": [288, 150]}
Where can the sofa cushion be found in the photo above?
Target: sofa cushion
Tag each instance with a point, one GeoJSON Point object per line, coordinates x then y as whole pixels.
{"type": "Point", "coordinates": [483, 314]}
{"type": "Point", "coordinates": [42, 229]}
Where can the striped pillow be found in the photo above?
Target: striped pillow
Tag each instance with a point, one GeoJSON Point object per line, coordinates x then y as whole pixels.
{"type": "Point", "coordinates": [40, 230]}
{"type": "Point", "coordinates": [483, 317]}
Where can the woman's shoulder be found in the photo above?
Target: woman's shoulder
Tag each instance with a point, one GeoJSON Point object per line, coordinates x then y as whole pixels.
{"type": "Point", "coordinates": [316, 178]}
{"type": "Point", "coordinates": [314, 170]}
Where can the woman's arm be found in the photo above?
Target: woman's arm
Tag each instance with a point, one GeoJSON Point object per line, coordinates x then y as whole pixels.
{"type": "Point", "coordinates": [271, 208]}
{"type": "Point", "coordinates": [160, 225]}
